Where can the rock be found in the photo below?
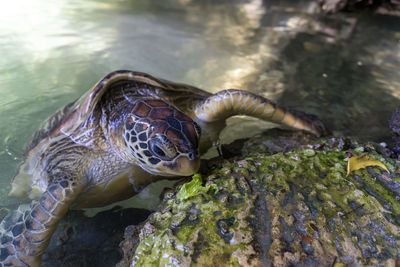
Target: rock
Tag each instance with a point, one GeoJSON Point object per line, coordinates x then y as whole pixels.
{"type": "Point", "coordinates": [309, 152]}
{"type": "Point", "coordinates": [391, 7]}
{"type": "Point", "coordinates": [394, 126]}
{"type": "Point", "coordinates": [291, 208]}
{"type": "Point", "coordinates": [84, 241]}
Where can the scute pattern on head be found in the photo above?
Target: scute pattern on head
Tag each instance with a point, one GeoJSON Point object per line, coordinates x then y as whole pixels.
{"type": "Point", "coordinates": [156, 133]}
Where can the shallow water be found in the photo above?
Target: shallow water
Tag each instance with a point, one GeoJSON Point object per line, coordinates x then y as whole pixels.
{"type": "Point", "coordinates": [343, 68]}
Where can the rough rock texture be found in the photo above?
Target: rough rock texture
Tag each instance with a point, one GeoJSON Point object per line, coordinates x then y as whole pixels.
{"type": "Point", "coordinates": [90, 242]}
{"type": "Point", "coordinates": [391, 7]}
{"type": "Point", "coordinates": [394, 125]}
{"type": "Point", "coordinates": [291, 208]}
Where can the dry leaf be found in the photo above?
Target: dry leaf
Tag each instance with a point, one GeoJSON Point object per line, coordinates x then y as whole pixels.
{"type": "Point", "coordinates": [356, 163]}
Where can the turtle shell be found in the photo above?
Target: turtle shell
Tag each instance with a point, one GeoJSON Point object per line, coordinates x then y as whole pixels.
{"type": "Point", "coordinates": [30, 179]}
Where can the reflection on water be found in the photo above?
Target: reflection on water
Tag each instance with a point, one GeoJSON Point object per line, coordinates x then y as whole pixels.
{"type": "Point", "coordinates": [343, 68]}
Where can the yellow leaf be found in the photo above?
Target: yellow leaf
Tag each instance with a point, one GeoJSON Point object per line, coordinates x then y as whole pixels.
{"type": "Point", "coordinates": [339, 265]}
{"type": "Point", "coordinates": [356, 163]}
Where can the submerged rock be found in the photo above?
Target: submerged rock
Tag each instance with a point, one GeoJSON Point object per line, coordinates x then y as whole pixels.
{"type": "Point", "coordinates": [391, 7]}
{"type": "Point", "coordinates": [394, 126]}
{"type": "Point", "coordinates": [287, 208]}
{"type": "Point", "coordinates": [90, 242]}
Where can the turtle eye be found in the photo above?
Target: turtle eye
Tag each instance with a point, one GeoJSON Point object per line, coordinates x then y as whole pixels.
{"type": "Point", "coordinates": [197, 128]}
{"type": "Point", "coordinates": [161, 147]}
{"type": "Point", "coordinates": [158, 151]}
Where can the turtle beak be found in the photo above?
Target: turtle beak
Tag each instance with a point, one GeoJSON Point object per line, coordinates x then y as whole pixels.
{"type": "Point", "coordinates": [182, 166]}
{"type": "Point", "coordinates": [186, 166]}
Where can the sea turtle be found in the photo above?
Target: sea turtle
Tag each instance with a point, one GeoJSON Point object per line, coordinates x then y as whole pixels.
{"type": "Point", "coordinates": [127, 131]}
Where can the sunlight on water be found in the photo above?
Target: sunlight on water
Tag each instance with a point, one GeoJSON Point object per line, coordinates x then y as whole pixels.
{"type": "Point", "coordinates": [54, 51]}
{"type": "Point", "coordinates": [34, 29]}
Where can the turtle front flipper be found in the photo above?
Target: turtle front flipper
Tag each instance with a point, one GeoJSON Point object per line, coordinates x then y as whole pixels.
{"type": "Point", "coordinates": [25, 234]}
{"type": "Point", "coordinates": [232, 102]}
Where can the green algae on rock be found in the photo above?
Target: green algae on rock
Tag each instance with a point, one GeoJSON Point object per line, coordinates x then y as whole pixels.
{"type": "Point", "coordinates": [294, 208]}
{"type": "Point", "coordinates": [193, 188]}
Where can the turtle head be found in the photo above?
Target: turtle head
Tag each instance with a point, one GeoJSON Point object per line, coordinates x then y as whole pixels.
{"type": "Point", "coordinates": [161, 139]}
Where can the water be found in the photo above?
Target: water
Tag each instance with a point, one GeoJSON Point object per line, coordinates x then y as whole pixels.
{"type": "Point", "coordinates": [343, 68]}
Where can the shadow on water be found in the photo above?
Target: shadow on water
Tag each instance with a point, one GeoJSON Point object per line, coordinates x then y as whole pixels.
{"type": "Point", "coordinates": [349, 83]}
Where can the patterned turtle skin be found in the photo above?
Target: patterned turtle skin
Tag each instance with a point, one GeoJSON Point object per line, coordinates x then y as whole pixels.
{"type": "Point", "coordinates": [129, 130]}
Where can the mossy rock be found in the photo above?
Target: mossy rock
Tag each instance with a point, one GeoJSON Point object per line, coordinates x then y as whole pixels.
{"type": "Point", "coordinates": [293, 208]}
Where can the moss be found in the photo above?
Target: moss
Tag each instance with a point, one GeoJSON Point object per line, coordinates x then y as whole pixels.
{"type": "Point", "coordinates": [279, 209]}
